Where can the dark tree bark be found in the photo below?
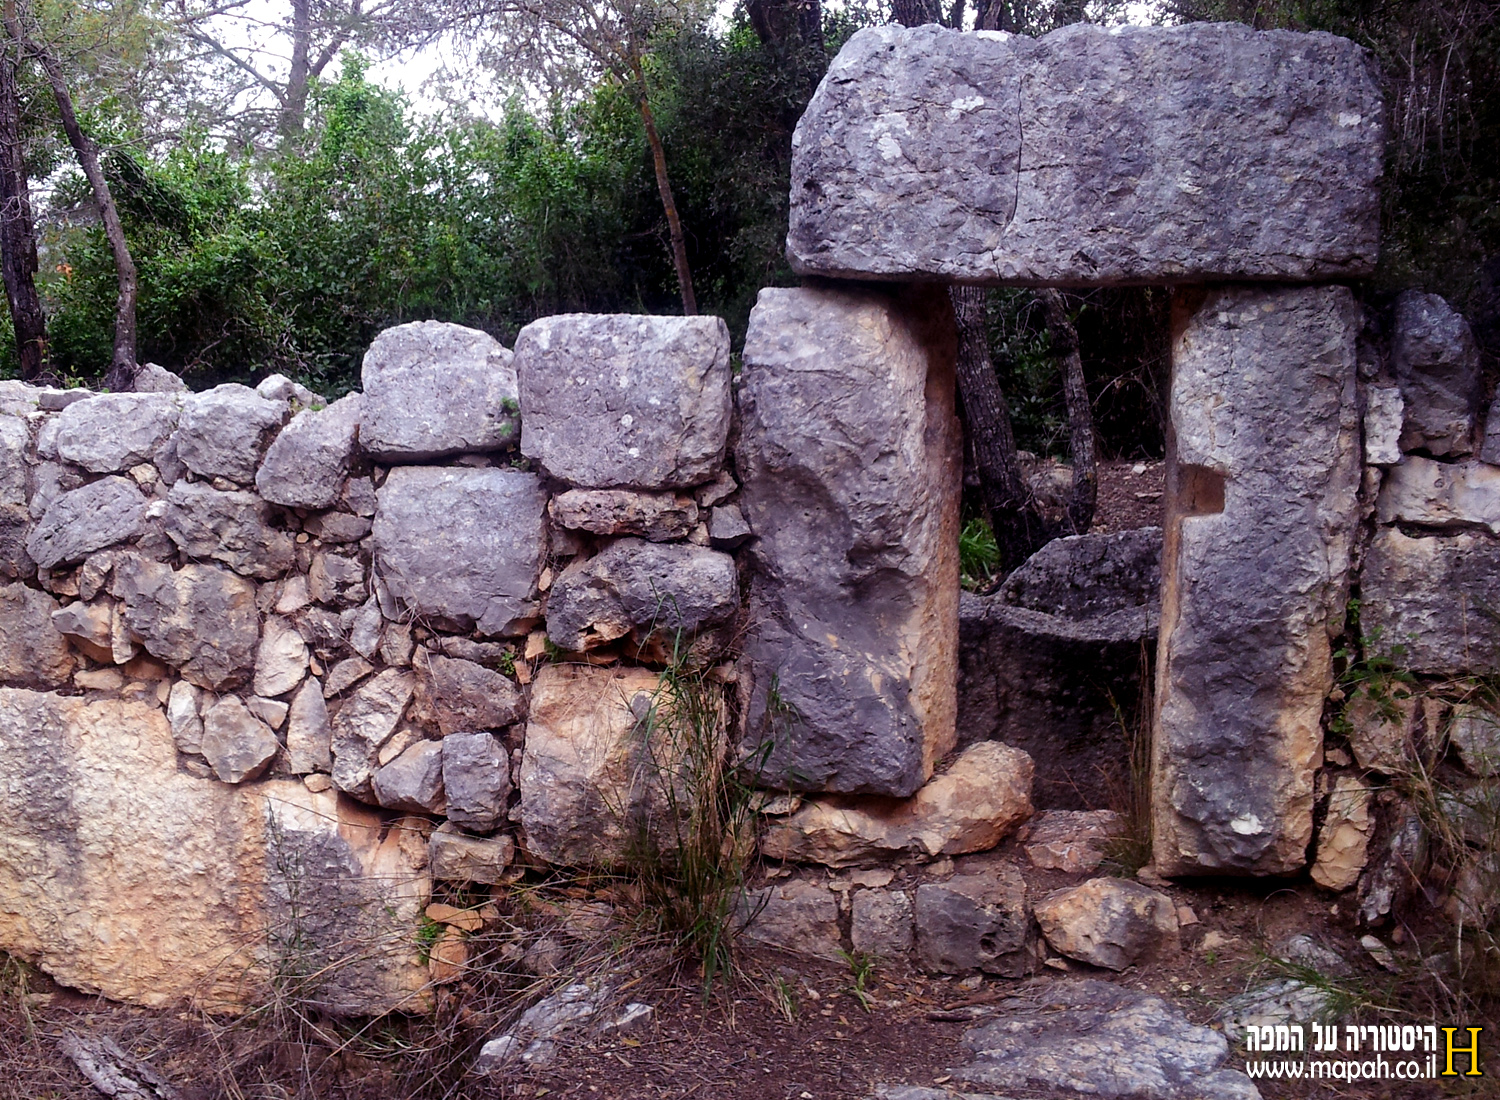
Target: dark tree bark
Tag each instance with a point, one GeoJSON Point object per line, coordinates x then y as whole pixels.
{"type": "Point", "coordinates": [793, 31]}
{"type": "Point", "coordinates": [1081, 501]}
{"type": "Point", "coordinates": [1018, 524]}
{"type": "Point", "coordinates": [123, 367]}
{"type": "Point", "coordinates": [668, 202]}
{"type": "Point", "coordinates": [916, 13]}
{"type": "Point", "coordinates": [18, 260]}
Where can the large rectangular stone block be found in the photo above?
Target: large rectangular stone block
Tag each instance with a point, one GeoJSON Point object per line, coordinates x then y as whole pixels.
{"type": "Point", "coordinates": [1261, 515]}
{"type": "Point", "coordinates": [1429, 603]}
{"type": "Point", "coordinates": [1091, 156]}
{"type": "Point", "coordinates": [850, 456]}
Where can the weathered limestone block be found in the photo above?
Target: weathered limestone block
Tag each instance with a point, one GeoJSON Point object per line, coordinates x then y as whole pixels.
{"type": "Point", "coordinates": [183, 716]}
{"type": "Point", "coordinates": [975, 922]}
{"type": "Point", "coordinates": [336, 579]}
{"type": "Point", "coordinates": [1437, 365]}
{"type": "Point", "coordinates": [336, 527]}
{"type": "Point", "coordinates": [413, 781]}
{"type": "Point", "coordinates": [433, 389]}
{"type": "Point", "coordinates": [727, 527]}
{"type": "Point", "coordinates": [305, 465]}
{"type": "Point", "coordinates": [122, 875]}
{"type": "Point", "coordinates": [880, 924]}
{"type": "Point", "coordinates": [1070, 1045]}
{"type": "Point", "coordinates": [1382, 727]}
{"type": "Point", "coordinates": [153, 378]}
{"type": "Point", "coordinates": [1475, 733]}
{"type": "Point", "coordinates": [15, 531]}
{"type": "Point", "coordinates": [1441, 494]}
{"type": "Point", "coordinates": [1262, 513]}
{"type": "Point", "coordinates": [1431, 596]}
{"type": "Point", "coordinates": [1344, 841]}
{"type": "Point", "coordinates": [90, 627]}
{"type": "Point", "coordinates": [594, 786]}
{"type": "Point", "coordinates": [1075, 841]}
{"type": "Point", "coordinates": [476, 777]}
{"type": "Point", "coordinates": [797, 916]}
{"type": "Point", "coordinates": [1092, 156]}
{"type": "Point", "coordinates": [1044, 660]}
{"type": "Point", "coordinates": [199, 619]}
{"type": "Point", "coordinates": [850, 456]}
{"type": "Point", "coordinates": [625, 401]}
{"type": "Point", "coordinates": [33, 653]}
{"type": "Point", "coordinates": [232, 527]}
{"type": "Point", "coordinates": [223, 431]}
{"type": "Point", "coordinates": [660, 517]}
{"type": "Point", "coordinates": [105, 838]}
{"type": "Point", "coordinates": [1385, 413]}
{"type": "Point", "coordinates": [308, 737]}
{"type": "Point", "coordinates": [236, 744]}
{"type": "Point", "coordinates": [462, 545]}
{"type": "Point", "coordinates": [672, 601]}
{"type": "Point", "coordinates": [115, 431]}
{"type": "Point", "coordinates": [455, 695]}
{"type": "Point", "coordinates": [362, 726]}
{"type": "Point", "coordinates": [971, 807]}
{"type": "Point", "coordinates": [1108, 922]}
{"type": "Point", "coordinates": [15, 441]}
{"type": "Point", "coordinates": [457, 857]}
{"type": "Point", "coordinates": [79, 522]}
{"type": "Point", "coordinates": [281, 660]}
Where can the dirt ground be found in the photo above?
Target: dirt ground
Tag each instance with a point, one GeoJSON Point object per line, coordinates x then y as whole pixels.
{"type": "Point", "coordinates": [812, 1040]}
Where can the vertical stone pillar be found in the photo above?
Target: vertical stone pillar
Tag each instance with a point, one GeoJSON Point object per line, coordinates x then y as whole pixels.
{"type": "Point", "coordinates": [1261, 515]}
{"type": "Point", "coordinates": [851, 456]}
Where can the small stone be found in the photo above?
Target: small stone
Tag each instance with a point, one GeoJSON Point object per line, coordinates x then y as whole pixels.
{"type": "Point", "coordinates": [659, 517]}
{"type": "Point", "coordinates": [1344, 840]}
{"type": "Point", "coordinates": [719, 489]}
{"type": "Point", "coordinates": [337, 527]}
{"type": "Point", "coordinates": [237, 745]}
{"type": "Point", "coordinates": [971, 807]}
{"type": "Point", "coordinates": [1072, 840]}
{"type": "Point", "coordinates": [317, 782]}
{"type": "Point", "coordinates": [448, 959]}
{"type": "Point", "coordinates": [727, 527]}
{"type": "Point", "coordinates": [433, 389]}
{"type": "Point", "coordinates": [115, 431]}
{"type": "Point", "coordinates": [294, 595]}
{"type": "Point", "coordinates": [413, 781]}
{"type": "Point", "coordinates": [1108, 922]}
{"type": "Point", "coordinates": [270, 711]}
{"type": "Point", "coordinates": [396, 645]}
{"type": "Point", "coordinates": [672, 601]}
{"type": "Point", "coordinates": [1441, 494]}
{"type": "Point", "coordinates": [975, 922]}
{"type": "Point", "coordinates": [1281, 1003]}
{"type": "Point", "coordinates": [101, 679]}
{"type": "Point", "coordinates": [881, 923]}
{"type": "Point", "coordinates": [1437, 365]}
{"type": "Point", "coordinates": [153, 378]}
{"type": "Point", "coordinates": [795, 916]}
{"type": "Point", "coordinates": [182, 715]}
{"type": "Point", "coordinates": [223, 431]}
{"type": "Point", "coordinates": [469, 920]}
{"type": "Point", "coordinates": [457, 857]}
{"type": "Point", "coordinates": [78, 522]}
{"type": "Point", "coordinates": [281, 660]}
{"type": "Point", "coordinates": [1382, 954]}
{"type": "Point", "coordinates": [345, 675]}
{"type": "Point", "coordinates": [90, 627]}
{"type": "Point", "coordinates": [476, 776]}
{"type": "Point", "coordinates": [455, 695]}
{"type": "Point", "coordinates": [337, 580]}
{"type": "Point", "coordinates": [57, 400]}
{"type": "Point", "coordinates": [1384, 415]}
{"type": "Point", "coordinates": [307, 732]}
{"type": "Point", "coordinates": [362, 726]}
{"type": "Point", "coordinates": [1303, 950]}
{"type": "Point", "coordinates": [305, 466]}
{"type": "Point", "coordinates": [1381, 728]}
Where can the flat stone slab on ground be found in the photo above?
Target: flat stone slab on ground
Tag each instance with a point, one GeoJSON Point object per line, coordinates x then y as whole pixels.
{"type": "Point", "coordinates": [1091, 156]}
{"type": "Point", "coordinates": [1094, 1039]}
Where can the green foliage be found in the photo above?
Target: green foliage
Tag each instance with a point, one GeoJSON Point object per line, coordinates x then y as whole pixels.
{"type": "Point", "coordinates": [978, 553]}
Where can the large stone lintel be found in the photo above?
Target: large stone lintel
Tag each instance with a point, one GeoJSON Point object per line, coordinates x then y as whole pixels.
{"type": "Point", "coordinates": [1261, 515]}
{"type": "Point", "coordinates": [850, 458]}
{"type": "Point", "coordinates": [1091, 156]}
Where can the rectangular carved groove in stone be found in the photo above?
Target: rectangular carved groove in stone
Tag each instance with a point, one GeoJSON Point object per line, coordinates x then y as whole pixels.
{"type": "Point", "coordinates": [850, 456]}
{"type": "Point", "coordinates": [1263, 398]}
{"type": "Point", "coordinates": [1091, 156]}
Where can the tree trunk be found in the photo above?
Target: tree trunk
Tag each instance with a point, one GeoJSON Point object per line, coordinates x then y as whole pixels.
{"type": "Point", "coordinates": [1018, 524]}
{"type": "Point", "coordinates": [916, 13]}
{"type": "Point", "coordinates": [793, 31]}
{"type": "Point", "coordinates": [668, 203]}
{"type": "Point", "coordinates": [1085, 493]}
{"type": "Point", "coordinates": [294, 104]}
{"type": "Point", "coordinates": [122, 368]}
{"type": "Point", "coordinates": [18, 260]}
